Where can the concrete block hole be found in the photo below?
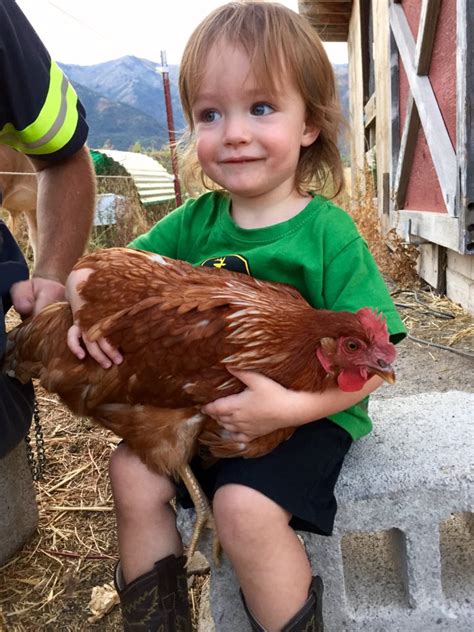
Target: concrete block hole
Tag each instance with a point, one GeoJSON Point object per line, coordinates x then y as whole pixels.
{"type": "Point", "coordinates": [374, 570]}
{"type": "Point", "coordinates": [456, 541]}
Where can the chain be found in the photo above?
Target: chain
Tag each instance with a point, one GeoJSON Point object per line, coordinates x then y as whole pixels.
{"type": "Point", "coordinates": [37, 464]}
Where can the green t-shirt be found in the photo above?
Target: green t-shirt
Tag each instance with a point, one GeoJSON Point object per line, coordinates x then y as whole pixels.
{"type": "Point", "coordinates": [319, 252]}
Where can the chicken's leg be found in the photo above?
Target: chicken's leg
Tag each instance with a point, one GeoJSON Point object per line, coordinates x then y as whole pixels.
{"type": "Point", "coordinates": [204, 517]}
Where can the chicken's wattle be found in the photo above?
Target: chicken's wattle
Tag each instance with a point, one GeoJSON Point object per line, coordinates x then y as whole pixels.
{"type": "Point", "coordinates": [351, 380]}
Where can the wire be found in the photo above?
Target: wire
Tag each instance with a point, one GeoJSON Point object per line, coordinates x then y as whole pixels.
{"type": "Point", "coordinates": [439, 346]}
{"type": "Point", "coordinates": [117, 46]}
{"type": "Point", "coordinates": [427, 310]}
{"type": "Point", "coordinates": [18, 173]}
{"type": "Point", "coordinates": [87, 26]}
{"type": "Point", "coordinates": [30, 173]}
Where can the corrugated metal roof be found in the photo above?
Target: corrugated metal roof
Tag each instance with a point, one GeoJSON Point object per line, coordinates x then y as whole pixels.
{"type": "Point", "coordinates": [153, 182]}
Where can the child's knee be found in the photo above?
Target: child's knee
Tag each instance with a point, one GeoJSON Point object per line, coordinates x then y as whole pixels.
{"type": "Point", "coordinates": [242, 514]}
{"type": "Point", "coordinates": [134, 484]}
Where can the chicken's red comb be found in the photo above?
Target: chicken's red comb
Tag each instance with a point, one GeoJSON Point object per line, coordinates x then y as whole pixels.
{"type": "Point", "coordinates": [374, 323]}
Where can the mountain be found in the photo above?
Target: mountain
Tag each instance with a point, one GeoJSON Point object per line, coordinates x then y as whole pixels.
{"type": "Point", "coordinates": [342, 79]}
{"type": "Point", "coordinates": [125, 102]}
{"type": "Point", "coordinates": [118, 125]}
{"type": "Point", "coordinates": [131, 82]}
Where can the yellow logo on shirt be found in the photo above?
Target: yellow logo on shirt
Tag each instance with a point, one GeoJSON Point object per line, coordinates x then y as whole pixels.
{"type": "Point", "coordinates": [235, 263]}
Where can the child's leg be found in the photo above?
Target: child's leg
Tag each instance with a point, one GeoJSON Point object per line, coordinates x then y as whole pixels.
{"type": "Point", "coordinates": [146, 523]}
{"type": "Point", "coordinates": [268, 558]}
{"type": "Point", "coordinates": [151, 578]}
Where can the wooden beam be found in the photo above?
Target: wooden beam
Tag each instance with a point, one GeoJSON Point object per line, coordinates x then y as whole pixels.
{"type": "Point", "coordinates": [438, 228]}
{"type": "Point", "coordinates": [370, 111]}
{"type": "Point", "coordinates": [333, 33]}
{"type": "Point", "coordinates": [464, 121]}
{"type": "Point", "coordinates": [386, 193]}
{"type": "Point", "coordinates": [366, 47]}
{"type": "Point", "coordinates": [441, 148]}
{"type": "Point", "coordinates": [328, 37]}
{"type": "Point", "coordinates": [344, 8]}
{"type": "Point", "coordinates": [407, 151]}
{"type": "Point", "coordinates": [343, 28]}
{"type": "Point", "coordinates": [441, 267]}
{"type": "Point", "coordinates": [395, 131]}
{"type": "Point", "coordinates": [426, 35]}
{"type": "Point", "coordinates": [323, 3]}
{"type": "Point", "coordinates": [330, 18]}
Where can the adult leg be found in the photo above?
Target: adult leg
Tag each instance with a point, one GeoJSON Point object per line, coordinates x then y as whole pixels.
{"type": "Point", "coordinates": [268, 558]}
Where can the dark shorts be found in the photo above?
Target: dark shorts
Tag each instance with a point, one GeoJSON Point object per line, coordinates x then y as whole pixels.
{"type": "Point", "coordinates": [300, 475]}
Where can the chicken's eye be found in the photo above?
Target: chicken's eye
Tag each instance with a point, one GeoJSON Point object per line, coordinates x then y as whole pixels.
{"type": "Point", "coordinates": [352, 345]}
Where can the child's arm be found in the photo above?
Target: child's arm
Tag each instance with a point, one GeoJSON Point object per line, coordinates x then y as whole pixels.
{"type": "Point", "coordinates": [101, 351]}
{"type": "Point", "coordinates": [265, 406]}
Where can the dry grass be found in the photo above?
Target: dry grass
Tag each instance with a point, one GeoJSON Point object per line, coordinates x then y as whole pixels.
{"type": "Point", "coordinates": [435, 319]}
{"type": "Point", "coordinates": [395, 258]}
{"type": "Point", "coordinates": [47, 585]}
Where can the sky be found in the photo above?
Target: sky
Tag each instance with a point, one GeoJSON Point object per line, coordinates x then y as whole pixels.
{"type": "Point", "coordinates": [87, 32]}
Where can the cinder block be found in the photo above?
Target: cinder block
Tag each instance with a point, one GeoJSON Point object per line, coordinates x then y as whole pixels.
{"type": "Point", "coordinates": [398, 558]}
{"type": "Point", "coordinates": [19, 511]}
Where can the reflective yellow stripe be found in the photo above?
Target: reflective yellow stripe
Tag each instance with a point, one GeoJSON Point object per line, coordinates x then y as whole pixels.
{"type": "Point", "coordinates": [66, 131]}
{"type": "Point", "coordinates": [55, 124]}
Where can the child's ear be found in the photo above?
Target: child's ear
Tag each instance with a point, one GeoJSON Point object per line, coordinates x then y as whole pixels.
{"type": "Point", "coordinates": [310, 134]}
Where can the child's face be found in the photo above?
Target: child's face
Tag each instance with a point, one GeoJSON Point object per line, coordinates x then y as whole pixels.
{"type": "Point", "coordinates": [248, 141]}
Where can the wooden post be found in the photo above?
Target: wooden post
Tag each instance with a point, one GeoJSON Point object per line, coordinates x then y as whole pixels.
{"type": "Point", "coordinates": [170, 121]}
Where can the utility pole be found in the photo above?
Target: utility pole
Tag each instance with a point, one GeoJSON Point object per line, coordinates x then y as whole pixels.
{"type": "Point", "coordinates": [170, 122]}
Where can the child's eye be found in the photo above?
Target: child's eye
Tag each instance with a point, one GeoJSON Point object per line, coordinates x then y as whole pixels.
{"type": "Point", "coordinates": [260, 109]}
{"type": "Point", "coordinates": [209, 116]}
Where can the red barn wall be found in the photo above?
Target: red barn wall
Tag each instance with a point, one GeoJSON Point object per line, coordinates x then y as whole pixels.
{"type": "Point", "coordinates": [424, 193]}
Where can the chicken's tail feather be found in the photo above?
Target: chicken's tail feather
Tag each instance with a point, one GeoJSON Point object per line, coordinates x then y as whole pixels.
{"type": "Point", "coordinates": [30, 344]}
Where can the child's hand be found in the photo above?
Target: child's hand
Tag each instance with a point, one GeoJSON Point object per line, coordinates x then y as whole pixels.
{"type": "Point", "coordinates": [261, 408]}
{"type": "Point", "coordinates": [101, 350]}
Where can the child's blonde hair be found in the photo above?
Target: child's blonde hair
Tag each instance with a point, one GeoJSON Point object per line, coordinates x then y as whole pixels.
{"type": "Point", "coordinates": [280, 43]}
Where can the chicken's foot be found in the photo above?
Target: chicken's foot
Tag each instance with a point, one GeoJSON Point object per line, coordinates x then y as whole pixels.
{"type": "Point", "coordinates": [204, 517]}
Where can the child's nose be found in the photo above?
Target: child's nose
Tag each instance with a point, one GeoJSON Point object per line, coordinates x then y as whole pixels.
{"type": "Point", "coordinates": [236, 131]}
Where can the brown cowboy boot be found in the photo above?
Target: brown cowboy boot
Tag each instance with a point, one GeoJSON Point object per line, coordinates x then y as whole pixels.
{"type": "Point", "coordinates": [308, 619]}
{"type": "Point", "coordinates": [158, 600]}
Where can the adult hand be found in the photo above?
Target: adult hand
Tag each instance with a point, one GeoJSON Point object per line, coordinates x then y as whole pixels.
{"type": "Point", "coordinates": [29, 297]}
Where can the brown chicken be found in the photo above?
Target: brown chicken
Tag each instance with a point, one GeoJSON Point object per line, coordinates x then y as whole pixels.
{"type": "Point", "coordinates": [179, 328]}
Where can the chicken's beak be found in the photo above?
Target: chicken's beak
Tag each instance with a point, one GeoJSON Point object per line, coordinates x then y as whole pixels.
{"type": "Point", "coordinates": [386, 373]}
